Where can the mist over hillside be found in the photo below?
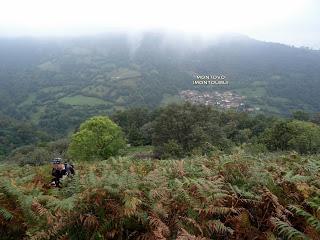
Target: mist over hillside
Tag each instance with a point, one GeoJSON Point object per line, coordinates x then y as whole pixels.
{"type": "Point", "coordinates": [61, 81]}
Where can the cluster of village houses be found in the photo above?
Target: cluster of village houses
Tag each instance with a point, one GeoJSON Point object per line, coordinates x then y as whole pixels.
{"type": "Point", "coordinates": [224, 100]}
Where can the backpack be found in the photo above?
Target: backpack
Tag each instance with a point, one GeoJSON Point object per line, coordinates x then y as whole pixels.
{"type": "Point", "coordinates": [69, 168]}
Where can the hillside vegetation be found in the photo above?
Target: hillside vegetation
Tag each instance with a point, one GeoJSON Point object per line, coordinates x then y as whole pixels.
{"type": "Point", "coordinates": [181, 172]}
{"type": "Point", "coordinates": [234, 196]}
{"type": "Point", "coordinates": [57, 84]}
{"type": "Point", "coordinates": [174, 131]}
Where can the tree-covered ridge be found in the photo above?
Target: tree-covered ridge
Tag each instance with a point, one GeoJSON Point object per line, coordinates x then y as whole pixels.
{"type": "Point", "coordinates": [235, 196]}
{"type": "Point", "coordinates": [174, 131]}
{"type": "Point", "coordinates": [180, 130]}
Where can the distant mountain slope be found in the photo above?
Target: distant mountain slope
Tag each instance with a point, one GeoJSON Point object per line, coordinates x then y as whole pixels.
{"type": "Point", "coordinates": [57, 82]}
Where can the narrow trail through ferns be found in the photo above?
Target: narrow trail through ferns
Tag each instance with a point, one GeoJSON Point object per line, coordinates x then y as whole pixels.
{"type": "Point", "coordinates": [237, 196]}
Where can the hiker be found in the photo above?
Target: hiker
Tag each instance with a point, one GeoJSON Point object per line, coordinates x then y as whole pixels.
{"type": "Point", "coordinates": [60, 170]}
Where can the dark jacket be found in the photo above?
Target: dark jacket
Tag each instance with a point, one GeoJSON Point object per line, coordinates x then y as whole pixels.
{"type": "Point", "coordinates": [58, 174]}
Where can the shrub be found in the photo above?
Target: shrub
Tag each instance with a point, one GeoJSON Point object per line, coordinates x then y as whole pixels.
{"type": "Point", "coordinates": [98, 138]}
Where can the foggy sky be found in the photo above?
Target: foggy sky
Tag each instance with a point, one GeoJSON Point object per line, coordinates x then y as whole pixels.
{"type": "Point", "coordinates": [293, 22]}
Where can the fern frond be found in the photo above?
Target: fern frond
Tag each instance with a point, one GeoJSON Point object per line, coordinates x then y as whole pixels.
{"type": "Point", "coordinates": [286, 230]}
{"type": "Point", "coordinates": [295, 178]}
{"type": "Point", "coordinates": [159, 228]}
{"type": "Point", "coordinates": [89, 221]}
{"type": "Point", "coordinates": [193, 223]}
{"type": "Point", "coordinates": [184, 235]}
{"type": "Point", "coordinates": [131, 204]}
{"type": "Point", "coordinates": [216, 226]}
{"type": "Point", "coordinates": [24, 201]}
{"type": "Point", "coordinates": [269, 198]}
{"type": "Point", "coordinates": [315, 204]}
{"type": "Point", "coordinates": [66, 204]}
{"type": "Point", "coordinates": [244, 194]}
{"type": "Point", "coordinates": [313, 221]}
{"type": "Point", "coordinates": [216, 210]}
{"type": "Point", "coordinates": [5, 214]}
{"type": "Point", "coordinates": [42, 211]}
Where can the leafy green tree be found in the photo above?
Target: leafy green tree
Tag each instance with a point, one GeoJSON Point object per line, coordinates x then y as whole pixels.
{"type": "Point", "coordinates": [97, 138]}
{"type": "Point", "coordinates": [316, 118]}
{"type": "Point", "coordinates": [241, 127]}
{"type": "Point", "coordinates": [172, 149]}
{"type": "Point", "coordinates": [300, 136]}
{"type": "Point", "coordinates": [301, 115]}
{"type": "Point", "coordinates": [182, 128]}
{"type": "Point", "coordinates": [305, 137]}
{"type": "Point", "coordinates": [277, 137]}
{"type": "Point", "coordinates": [132, 122]}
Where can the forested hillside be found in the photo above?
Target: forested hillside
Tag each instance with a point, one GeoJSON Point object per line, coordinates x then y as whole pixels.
{"type": "Point", "coordinates": [58, 83]}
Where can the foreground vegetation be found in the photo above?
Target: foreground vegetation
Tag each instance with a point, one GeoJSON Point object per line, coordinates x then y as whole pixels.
{"type": "Point", "coordinates": [234, 196]}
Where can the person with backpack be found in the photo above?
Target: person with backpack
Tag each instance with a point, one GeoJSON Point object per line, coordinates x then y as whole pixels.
{"type": "Point", "coordinates": [60, 170]}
